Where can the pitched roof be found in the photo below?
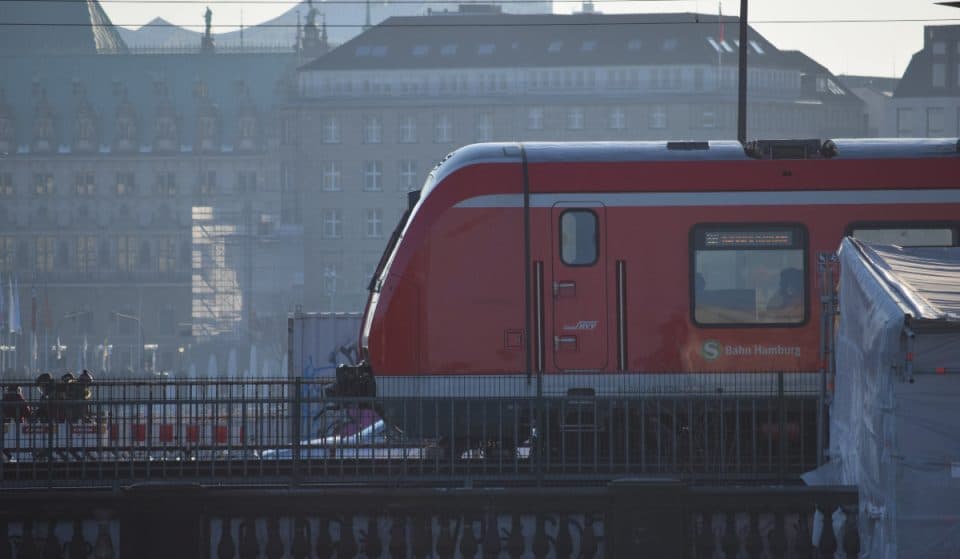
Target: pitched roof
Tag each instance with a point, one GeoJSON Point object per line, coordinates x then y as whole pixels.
{"type": "Point", "coordinates": [76, 27]}
{"type": "Point", "coordinates": [512, 40]}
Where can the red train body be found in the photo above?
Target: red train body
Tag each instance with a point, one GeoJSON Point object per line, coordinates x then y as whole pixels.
{"type": "Point", "coordinates": [602, 267]}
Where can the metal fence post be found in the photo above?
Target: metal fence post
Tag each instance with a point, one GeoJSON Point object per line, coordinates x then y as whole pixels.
{"type": "Point", "coordinates": [781, 426]}
{"type": "Point", "coordinates": [295, 412]}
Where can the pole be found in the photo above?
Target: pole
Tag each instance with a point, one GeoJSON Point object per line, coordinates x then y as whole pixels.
{"type": "Point", "coordinates": [742, 86]}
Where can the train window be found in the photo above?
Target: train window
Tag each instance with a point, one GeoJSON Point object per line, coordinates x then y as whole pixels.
{"type": "Point", "coordinates": [907, 236]}
{"type": "Point", "coordinates": [748, 275]}
{"type": "Point", "coordinates": [578, 237]}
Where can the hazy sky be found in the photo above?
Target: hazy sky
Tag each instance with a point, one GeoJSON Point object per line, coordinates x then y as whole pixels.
{"type": "Point", "coordinates": [864, 37]}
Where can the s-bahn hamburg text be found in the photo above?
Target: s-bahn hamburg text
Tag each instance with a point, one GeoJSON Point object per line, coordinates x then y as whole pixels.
{"type": "Point", "coordinates": [584, 268]}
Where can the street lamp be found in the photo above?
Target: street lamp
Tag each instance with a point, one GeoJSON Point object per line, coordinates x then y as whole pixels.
{"type": "Point", "coordinates": [72, 316]}
{"type": "Point", "coordinates": [140, 328]}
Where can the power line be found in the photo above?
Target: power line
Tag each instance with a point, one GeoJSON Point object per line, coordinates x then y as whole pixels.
{"type": "Point", "coordinates": [394, 25]}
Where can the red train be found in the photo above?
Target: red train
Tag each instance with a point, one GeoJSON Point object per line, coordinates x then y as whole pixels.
{"type": "Point", "coordinates": [614, 267]}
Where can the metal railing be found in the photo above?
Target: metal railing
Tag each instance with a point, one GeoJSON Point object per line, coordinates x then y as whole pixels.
{"type": "Point", "coordinates": [283, 431]}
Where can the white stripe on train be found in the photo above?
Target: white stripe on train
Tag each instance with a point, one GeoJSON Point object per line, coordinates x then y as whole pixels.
{"type": "Point", "coordinates": [766, 198]}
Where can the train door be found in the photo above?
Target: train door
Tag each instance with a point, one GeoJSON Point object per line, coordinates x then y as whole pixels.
{"type": "Point", "coordinates": [579, 287]}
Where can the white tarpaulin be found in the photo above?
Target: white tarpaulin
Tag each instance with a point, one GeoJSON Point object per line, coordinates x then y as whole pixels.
{"type": "Point", "coordinates": [895, 415]}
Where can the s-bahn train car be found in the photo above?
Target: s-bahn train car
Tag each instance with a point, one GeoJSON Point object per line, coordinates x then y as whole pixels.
{"type": "Point", "coordinates": [615, 267]}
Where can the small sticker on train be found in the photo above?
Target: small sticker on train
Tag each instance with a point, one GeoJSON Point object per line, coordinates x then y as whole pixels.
{"type": "Point", "coordinates": [582, 325]}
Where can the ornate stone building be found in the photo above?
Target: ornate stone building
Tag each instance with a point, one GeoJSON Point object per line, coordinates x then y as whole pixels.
{"type": "Point", "coordinates": [141, 204]}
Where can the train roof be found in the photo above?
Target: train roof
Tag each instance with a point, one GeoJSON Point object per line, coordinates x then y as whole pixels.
{"type": "Point", "coordinates": [722, 150]}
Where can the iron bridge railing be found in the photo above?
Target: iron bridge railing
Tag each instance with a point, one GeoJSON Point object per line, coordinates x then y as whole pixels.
{"type": "Point", "coordinates": [287, 431]}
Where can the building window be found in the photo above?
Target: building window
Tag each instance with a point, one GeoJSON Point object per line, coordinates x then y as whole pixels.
{"type": "Point", "coordinates": [103, 255]}
{"type": "Point", "coordinates": [246, 182]}
{"type": "Point", "coordinates": [408, 130]}
{"type": "Point", "coordinates": [907, 236]}
{"type": "Point", "coordinates": [372, 130]}
{"type": "Point", "coordinates": [166, 255]}
{"type": "Point", "coordinates": [579, 238]}
{"type": "Point", "coordinates": [940, 47]}
{"type": "Point", "coordinates": [535, 118]}
{"type": "Point", "coordinates": [143, 255]}
{"type": "Point", "coordinates": [708, 119]}
{"type": "Point", "coordinates": [7, 254]}
{"type": "Point", "coordinates": [443, 129]}
{"type": "Point", "coordinates": [126, 253]}
{"type": "Point", "coordinates": [618, 119]}
{"type": "Point", "coordinates": [748, 275]}
{"type": "Point", "coordinates": [484, 127]}
{"type": "Point", "coordinates": [936, 118]}
{"type": "Point", "coordinates": [408, 174]}
{"type": "Point", "coordinates": [207, 183]}
{"type": "Point", "coordinates": [46, 247]}
{"type": "Point", "coordinates": [43, 184]}
{"type": "Point", "coordinates": [904, 122]}
{"type": "Point", "coordinates": [86, 253]}
{"type": "Point", "coordinates": [126, 184]}
{"type": "Point", "coordinates": [332, 223]}
{"type": "Point", "coordinates": [330, 176]}
{"type": "Point", "coordinates": [290, 211]}
{"type": "Point", "coordinates": [374, 223]}
{"type": "Point", "coordinates": [331, 130]}
{"type": "Point", "coordinates": [166, 183]}
{"type": "Point", "coordinates": [658, 117]}
{"type": "Point", "coordinates": [331, 274]}
{"type": "Point", "coordinates": [84, 184]}
{"type": "Point", "coordinates": [373, 176]}
{"type": "Point", "coordinates": [939, 77]}
{"type": "Point", "coordinates": [6, 185]}
{"type": "Point", "coordinates": [62, 259]}
{"type": "Point", "coordinates": [575, 119]}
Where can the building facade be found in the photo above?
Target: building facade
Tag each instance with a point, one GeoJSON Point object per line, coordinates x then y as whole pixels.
{"type": "Point", "coordinates": [926, 103]}
{"type": "Point", "coordinates": [377, 113]}
{"type": "Point", "coordinates": [141, 206]}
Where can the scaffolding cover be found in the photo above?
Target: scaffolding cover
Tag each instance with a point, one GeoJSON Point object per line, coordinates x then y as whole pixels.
{"type": "Point", "coordinates": [894, 416]}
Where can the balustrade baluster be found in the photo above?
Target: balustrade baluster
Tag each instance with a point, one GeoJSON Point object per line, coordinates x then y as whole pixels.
{"type": "Point", "coordinates": [468, 540]}
{"type": "Point", "coordinates": [828, 539]}
{"type": "Point", "coordinates": [423, 537]}
{"type": "Point", "coordinates": [492, 544]}
{"type": "Point", "coordinates": [324, 546]}
{"type": "Point", "coordinates": [754, 541]}
{"type": "Point", "coordinates": [52, 548]}
{"type": "Point", "coordinates": [730, 542]}
{"type": "Point", "coordinates": [778, 536]}
{"type": "Point", "coordinates": [564, 547]}
{"type": "Point", "coordinates": [249, 546]}
{"type": "Point", "coordinates": [226, 549]}
{"type": "Point", "coordinates": [516, 545]}
{"type": "Point", "coordinates": [274, 548]}
{"type": "Point", "coordinates": [300, 546]}
{"type": "Point", "coordinates": [541, 542]}
{"type": "Point", "coordinates": [705, 539]}
{"type": "Point", "coordinates": [372, 544]}
{"type": "Point", "coordinates": [851, 533]}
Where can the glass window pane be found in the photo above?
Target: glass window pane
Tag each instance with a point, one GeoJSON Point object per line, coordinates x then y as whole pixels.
{"type": "Point", "coordinates": [906, 237]}
{"type": "Point", "coordinates": [749, 277]}
{"type": "Point", "coordinates": [578, 238]}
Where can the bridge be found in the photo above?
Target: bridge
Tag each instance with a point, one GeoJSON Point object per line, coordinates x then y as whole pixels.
{"type": "Point", "coordinates": [272, 468]}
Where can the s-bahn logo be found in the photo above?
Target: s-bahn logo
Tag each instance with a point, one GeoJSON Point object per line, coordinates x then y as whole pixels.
{"type": "Point", "coordinates": [711, 349]}
{"type": "Point", "coordinates": [582, 325]}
